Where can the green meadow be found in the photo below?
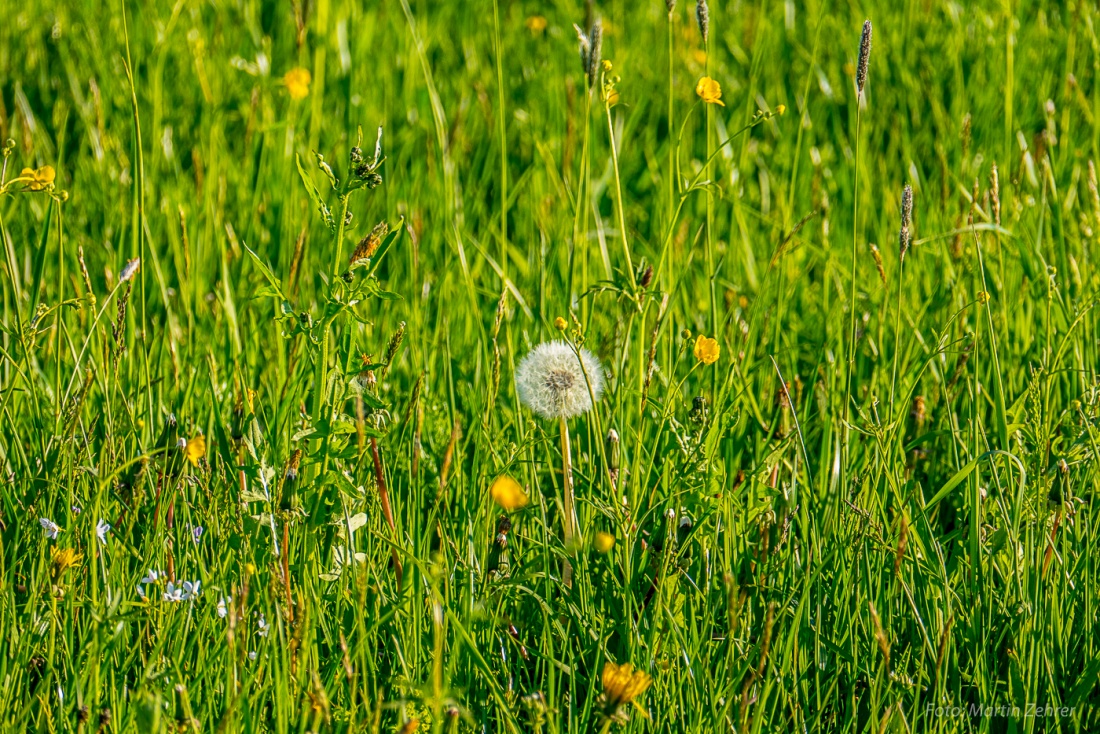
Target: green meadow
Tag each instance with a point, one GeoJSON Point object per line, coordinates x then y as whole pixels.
{"type": "Point", "coordinates": [514, 366]}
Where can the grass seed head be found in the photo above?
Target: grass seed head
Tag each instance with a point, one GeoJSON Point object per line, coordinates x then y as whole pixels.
{"type": "Point", "coordinates": [905, 237]}
{"type": "Point", "coordinates": [585, 47]}
{"type": "Point", "coordinates": [878, 263]}
{"type": "Point", "coordinates": [702, 17]}
{"type": "Point", "coordinates": [864, 56]}
{"type": "Point", "coordinates": [595, 51]}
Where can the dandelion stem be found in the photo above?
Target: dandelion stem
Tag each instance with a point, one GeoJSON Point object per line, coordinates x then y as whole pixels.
{"type": "Point", "coordinates": [569, 522]}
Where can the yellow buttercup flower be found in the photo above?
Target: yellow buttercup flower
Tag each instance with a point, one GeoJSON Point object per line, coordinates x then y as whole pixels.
{"type": "Point", "coordinates": [536, 24]}
{"type": "Point", "coordinates": [195, 449]}
{"type": "Point", "coordinates": [707, 349]}
{"type": "Point", "coordinates": [297, 82]}
{"type": "Point", "coordinates": [507, 493]}
{"type": "Point", "coordinates": [560, 323]}
{"type": "Point", "coordinates": [621, 685]}
{"type": "Point", "coordinates": [38, 179]}
{"type": "Point", "coordinates": [709, 91]}
{"type": "Point", "coordinates": [604, 542]}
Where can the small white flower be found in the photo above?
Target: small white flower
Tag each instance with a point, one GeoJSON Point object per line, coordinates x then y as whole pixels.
{"type": "Point", "coordinates": [50, 527]}
{"type": "Point", "coordinates": [553, 382]}
{"type": "Point", "coordinates": [186, 591]}
{"type": "Point", "coordinates": [101, 529]}
{"type": "Point", "coordinates": [252, 655]}
{"type": "Point", "coordinates": [263, 627]}
{"type": "Point", "coordinates": [223, 606]}
{"type": "Point", "coordinates": [151, 577]}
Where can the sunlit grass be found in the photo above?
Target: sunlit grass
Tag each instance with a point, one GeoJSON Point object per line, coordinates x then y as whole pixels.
{"type": "Point", "coordinates": [270, 272]}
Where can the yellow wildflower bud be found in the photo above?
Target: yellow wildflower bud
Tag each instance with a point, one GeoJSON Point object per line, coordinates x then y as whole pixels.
{"type": "Point", "coordinates": [297, 82]}
{"type": "Point", "coordinates": [604, 542]}
{"type": "Point", "coordinates": [507, 493]}
{"type": "Point", "coordinates": [195, 449]}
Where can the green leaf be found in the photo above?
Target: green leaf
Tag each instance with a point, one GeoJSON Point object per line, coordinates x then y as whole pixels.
{"type": "Point", "coordinates": [315, 194]}
{"type": "Point", "coordinates": [276, 286]}
{"type": "Point", "coordinates": [963, 473]}
{"type": "Point", "coordinates": [386, 245]}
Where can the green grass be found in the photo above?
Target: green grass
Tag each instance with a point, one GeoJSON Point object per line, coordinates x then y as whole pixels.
{"type": "Point", "coordinates": [872, 526]}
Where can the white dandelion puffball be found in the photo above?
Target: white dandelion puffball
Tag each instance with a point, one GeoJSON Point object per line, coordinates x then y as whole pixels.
{"type": "Point", "coordinates": [551, 380]}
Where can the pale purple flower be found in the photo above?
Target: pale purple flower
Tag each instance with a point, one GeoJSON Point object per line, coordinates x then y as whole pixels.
{"type": "Point", "coordinates": [50, 527]}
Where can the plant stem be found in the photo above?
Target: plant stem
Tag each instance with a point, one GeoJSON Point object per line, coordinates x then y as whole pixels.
{"type": "Point", "coordinates": [672, 171]}
{"type": "Point", "coordinates": [503, 146]}
{"type": "Point", "coordinates": [619, 198]}
{"type": "Point", "coordinates": [569, 522]}
{"type": "Point", "coordinates": [322, 361]}
{"type": "Point", "coordinates": [855, 271]}
{"type": "Point", "coordinates": [897, 335]}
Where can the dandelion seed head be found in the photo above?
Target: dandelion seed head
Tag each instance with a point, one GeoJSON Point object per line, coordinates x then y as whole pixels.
{"type": "Point", "coordinates": [554, 383]}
